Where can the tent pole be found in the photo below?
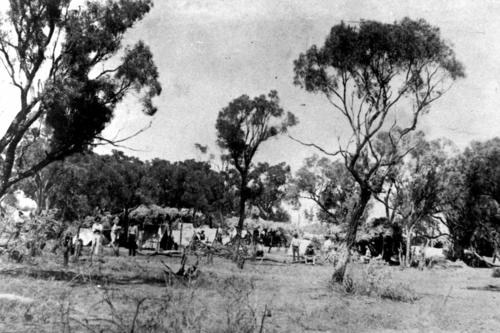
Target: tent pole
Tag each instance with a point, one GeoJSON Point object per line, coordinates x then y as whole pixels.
{"type": "Point", "coordinates": [180, 237]}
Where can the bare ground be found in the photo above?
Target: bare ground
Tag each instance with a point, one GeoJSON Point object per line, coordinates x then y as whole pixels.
{"type": "Point", "coordinates": [299, 298]}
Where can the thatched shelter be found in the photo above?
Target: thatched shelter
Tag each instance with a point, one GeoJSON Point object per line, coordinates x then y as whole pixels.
{"type": "Point", "coordinates": [381, 237]}
{"type": "Point", "coordinates": [151, 212]}
{"type": "Point", "coordinates": [251, 224]}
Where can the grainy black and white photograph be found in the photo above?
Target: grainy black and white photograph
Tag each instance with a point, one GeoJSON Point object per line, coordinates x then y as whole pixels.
{"type": "Point", "coordinates": [257, 166]}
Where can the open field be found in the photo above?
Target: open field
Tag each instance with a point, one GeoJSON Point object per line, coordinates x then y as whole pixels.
{"type": "Point", "coordinates": [298, 298]}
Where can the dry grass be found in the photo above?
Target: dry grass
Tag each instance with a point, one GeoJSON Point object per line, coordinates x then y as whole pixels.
{"type": "Point", "coordinates": [377, 281]}
{"type": "Point", "coordinates": [225, 299]}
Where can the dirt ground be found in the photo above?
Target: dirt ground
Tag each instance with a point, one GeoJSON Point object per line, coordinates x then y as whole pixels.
{"type": "Point", "coordinates": [118, 293]}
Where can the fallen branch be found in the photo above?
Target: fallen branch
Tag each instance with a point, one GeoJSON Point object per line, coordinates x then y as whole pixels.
{"type": "Point", "coordinates": [489, 287]}
{"type": "Point", "coordinates": [182, 275]}
{"type": "Point", "coordinates": [168, 253]}
{"type": "Point", "coordinates": [484, 260]}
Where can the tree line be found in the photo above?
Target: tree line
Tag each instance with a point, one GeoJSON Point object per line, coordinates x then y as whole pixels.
{"type": "Point", "coordinates": [117, 183]}
{"type": "Point", "coordinates": [434, 185]}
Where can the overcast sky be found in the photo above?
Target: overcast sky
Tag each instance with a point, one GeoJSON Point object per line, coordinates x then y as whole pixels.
{"type": "Point", "coordinates": [211, 51]}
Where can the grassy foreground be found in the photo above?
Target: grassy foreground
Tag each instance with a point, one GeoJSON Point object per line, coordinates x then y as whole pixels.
{"type": "Point", "coordinates": [130, 295]}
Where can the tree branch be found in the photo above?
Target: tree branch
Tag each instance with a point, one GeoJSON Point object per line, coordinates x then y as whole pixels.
{"type": "Point", "coordinates": [315, 146]}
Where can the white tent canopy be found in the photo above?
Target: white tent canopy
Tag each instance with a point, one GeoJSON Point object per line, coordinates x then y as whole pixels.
{"type": "Point", "coordinates": [188, 231]}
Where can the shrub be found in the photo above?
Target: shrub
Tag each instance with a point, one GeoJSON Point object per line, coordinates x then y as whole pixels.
{"type": "Point", "coordinates": [399, 292]}
{"type": "Point", "coordinates": [377, 281]}
{"type": "Point", "coordinates": [239, 312]}
{"type": "Point", "coordinates": [179, 308]}
{"type": "Point", "coordinates": [348, 285]}
{"type": "Point", "coordinates": [496, 272]}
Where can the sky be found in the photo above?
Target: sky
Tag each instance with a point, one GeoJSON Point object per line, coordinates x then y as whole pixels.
{"type": "Point", "coordinates": [209, 52]}
{"type": "Point", "coordinates": [212, 51]}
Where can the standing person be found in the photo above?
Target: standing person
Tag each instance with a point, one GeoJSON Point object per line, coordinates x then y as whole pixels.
{"type": "Point", "coordinates": [256, 235]}
{"type": "Point", "coordinates": [278, 236]}
{"type": "Point", "coordinates": [496, 245]}
{"type": "Point", "coordinates": [327, 244]}
{"type": "Point", "coordinates": [133, 231]}
{"type": "Point", "coordinates": [161, 231]}
{"type": "Point", "coordinates": [272, 239]}
{"type": "Point", "coordinates": [97, 240]}
{"type": "Point", "coordinates": [115, 235]}
{"type": "Point", "coordinates": [218, 235]}
{"type": "Point", "coordinates": [66, 247]}
{"type": "Point", "coordinates": [295, 247]}
{"type": "Point", "coordinates": [259, 249]}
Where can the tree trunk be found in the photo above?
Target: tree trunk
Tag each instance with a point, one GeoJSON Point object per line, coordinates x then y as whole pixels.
{"type": "Point", "coordinates": [239, 229]}
{"type": "Point", "coordinates": [78, 248]}
{"type": "Point", "coordinates": [458, 250]}
{"type": "Point", "coordinates": [243, 199]}
{"type": "Point", "coordinates": [221, 218]}
{"type": "Point", "coordinates": [47, 204]}
{"type": "Point", "coordinates": [354, 221]}
{"type": "Point", "coordinates": [408, 232]}
{"type": "Point", "coordinates": [180, 235]}
{"type": "Point", "coordinates": [382, 254]}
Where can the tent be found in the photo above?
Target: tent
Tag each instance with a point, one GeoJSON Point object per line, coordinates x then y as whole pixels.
{"type": "Point", "coordinates": [188, 231]}
{"type": "Point", "coordinates": [86, 235]}
{"type": "Point", "coordinates": [210, 233]}
{"type": "Point", "coordinates": [187, 234]}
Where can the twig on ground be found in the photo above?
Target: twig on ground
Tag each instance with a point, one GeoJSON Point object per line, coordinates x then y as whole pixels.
{"type": "Point", "coordinates": [264, 315]}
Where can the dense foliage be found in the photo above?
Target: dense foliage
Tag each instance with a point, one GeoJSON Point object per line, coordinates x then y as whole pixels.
{"type": "Point", "coordinates": [56, 53]}
{"type": "Point", "coordinates": [85, 182]}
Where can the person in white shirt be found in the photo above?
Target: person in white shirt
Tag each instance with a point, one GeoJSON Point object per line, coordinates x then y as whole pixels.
{"type": "Point", "coordinates": [97, 240]}
{"type": "Point", "coordinates": [133, 232]}
{"type": "Point", "coordinates": [295, 247]}
{"type": "Point", "coordinates": [327, 244]}
{"type": "Point", "coordinates": [115, 233]}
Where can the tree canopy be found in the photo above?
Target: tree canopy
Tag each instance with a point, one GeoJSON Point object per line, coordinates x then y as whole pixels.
{"type": "Point", "coordinates": [328, 184]}
{"type": "Point", "coordinates": [268, 189]}
{"type": "Point", "coordinates": [242, 127]}
{"type": "Point", "coordinates": [368, 73]}
{"type": "Point", "coordinates": [57, 57]}
{"type": "Point", "coordinates": [470, 199]}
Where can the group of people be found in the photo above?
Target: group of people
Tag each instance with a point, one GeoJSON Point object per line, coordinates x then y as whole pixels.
{"type": "Point", "coordinates": [269, 237]}
{"type": "Point", "coordinates": [200, 236]}
{"type": "Point", "coordinates": [71, 245]}
{"type": "Point", "coordinates": [309, 253]}
{"type": "Point", "coordinates": [259, 237]}
{"type": "Point", "coordinates": [116, 232]}
{"type": "Point", "coordinates": [327, 250]}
